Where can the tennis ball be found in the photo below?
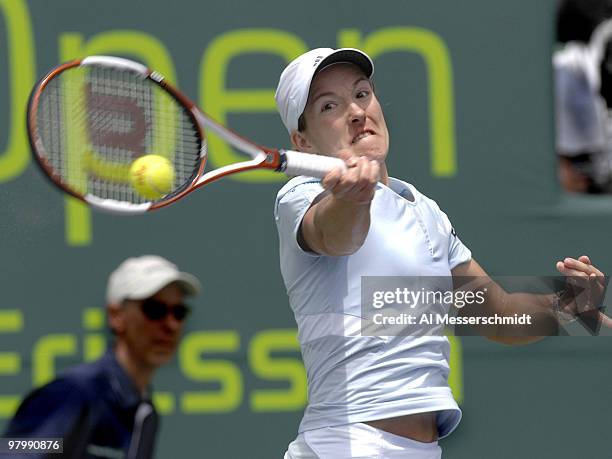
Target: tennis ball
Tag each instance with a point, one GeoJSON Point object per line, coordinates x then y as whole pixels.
{"type": "Point", "coordinates": [152, 176]}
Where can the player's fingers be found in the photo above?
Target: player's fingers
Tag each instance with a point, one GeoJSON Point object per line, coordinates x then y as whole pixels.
{"type": "Point", "coordinates": [352, 178]}
{"type": "Point", "coordinates": [597, 272]}
{"type": "Point", "coordinates": [606, 321]}
{"type": "Point", "coordinates": [364, 174]}
{"type": "Point", "coordinates": [346, 184]}
{"type": "Point", "coordinates": [566, 270]}
{"type": "Point", "coordinates": [349, 159]}
{"type": "Point", "coordinates": [588, 266]}
{"type": "Point", "coordinates": [368, 178]}
{"type": "Point", "coordinates": [579, 266]}
{"type": "Point", "coordinates": [587, 261]}
{"type": "Point", "coordinates": [572, 262]}
{"type": "Point", "coordinates": [356, 184]}
{"type": "Point", "coordinates": [373, 175]}
{"type": "Point", "coordinates": [332, 178]}
{"type": "Point", "coordinates": [560, 267]}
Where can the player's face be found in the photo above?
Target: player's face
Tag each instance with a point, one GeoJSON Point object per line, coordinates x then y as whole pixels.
{"type": "Point", "coordinates": [152, 343]}
{"type": "Point", "coordinates": [343, 113]}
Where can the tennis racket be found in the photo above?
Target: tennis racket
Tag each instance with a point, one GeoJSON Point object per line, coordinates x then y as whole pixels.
{"type": "Point", "coordinates": [89, 119]}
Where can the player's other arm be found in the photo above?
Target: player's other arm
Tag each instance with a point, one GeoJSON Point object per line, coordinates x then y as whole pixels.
{"type": "Point", "coordinates": [499, 302]}
{"type": "Point", "coordinates": [339, 220]}
{"type": "Point", "coordinates": [540, 307]}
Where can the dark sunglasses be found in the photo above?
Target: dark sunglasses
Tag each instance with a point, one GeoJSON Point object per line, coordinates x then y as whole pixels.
{"type": "Point", "coordinates": [158, 310]}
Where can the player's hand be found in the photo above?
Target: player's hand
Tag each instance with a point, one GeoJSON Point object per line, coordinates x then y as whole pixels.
{"type": "Point", "coordinates": [585, 288]}
{"type": "Point", "coordinates": [357, 184]}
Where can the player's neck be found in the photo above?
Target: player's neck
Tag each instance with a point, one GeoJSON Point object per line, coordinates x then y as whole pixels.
{"type": "Point", "coordinates": [384, 174]}
{"type": "Point", "coordinates": [139, 373]}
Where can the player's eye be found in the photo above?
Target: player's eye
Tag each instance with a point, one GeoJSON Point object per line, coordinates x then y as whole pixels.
{"type": "Point", "coordinates": [362, 94]}
{"type": "Point", "coordinates": [327, 106]}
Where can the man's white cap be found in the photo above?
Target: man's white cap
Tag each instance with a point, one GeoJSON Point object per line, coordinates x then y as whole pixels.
{"type": "Point", "coordinates": [142, 277]}
{"type": "Point", "coordinates": [294, 84]}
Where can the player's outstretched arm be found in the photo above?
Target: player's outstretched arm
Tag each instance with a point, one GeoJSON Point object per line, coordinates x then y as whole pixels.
{"type": "Point", "coordinates": [543, 308]}
{"type": "Point", "coordinates": [501, 303]}
{"type": "Point", "coordinates": [338, 223]}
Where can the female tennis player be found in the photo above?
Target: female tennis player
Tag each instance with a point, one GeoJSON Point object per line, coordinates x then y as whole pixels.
{"type": "Point", "coordinates": [369, 396]}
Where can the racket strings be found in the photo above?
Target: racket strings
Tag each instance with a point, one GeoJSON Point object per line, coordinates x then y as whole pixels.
{"type": "Point", "coordinates": [93, 123]}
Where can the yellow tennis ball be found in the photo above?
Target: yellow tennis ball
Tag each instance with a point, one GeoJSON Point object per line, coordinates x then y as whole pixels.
{"type": "Point", "coordinates": [152, 176]}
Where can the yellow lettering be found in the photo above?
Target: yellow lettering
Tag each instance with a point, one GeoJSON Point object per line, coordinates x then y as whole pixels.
{"type": "Point", "coordinates": [277, 369]}
{"type": "Point", "coordinates": [145, 48]}
{"type": "Point", "coordinates": [217, 100]}
{"type": "Point", "coordinates": [455, 376]}
{"type": "Point", "coordinates": [21, 63]}
{"type": "Point", "coordinates": [434, 52]}
{"type": "Point", "coordinates": [45, 351]}
{"type": "Point", "coordinates": [8, 405]}
{"type": "Point", "coordinates": [11, 321]}
{"type": "Point", "coordinates": [94, 344]}
{"type": "Point", "coordinates": [164, 402]}
{"type": "Point", "coordinates": [222, 372]}
{"type": "Point", "coordinates": [10, 363]}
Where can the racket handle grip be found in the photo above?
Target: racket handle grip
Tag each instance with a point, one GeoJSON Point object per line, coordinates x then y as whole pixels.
{"type": "Point", "coordinates": [297, 163]}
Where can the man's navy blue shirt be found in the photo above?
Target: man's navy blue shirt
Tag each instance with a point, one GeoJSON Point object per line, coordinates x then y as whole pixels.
{"type": "Point", "coordinates": [95, 408]}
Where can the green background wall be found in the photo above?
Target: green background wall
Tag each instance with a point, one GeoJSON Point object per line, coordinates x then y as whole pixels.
{"type": "Point", "coordinates": [466, 88]}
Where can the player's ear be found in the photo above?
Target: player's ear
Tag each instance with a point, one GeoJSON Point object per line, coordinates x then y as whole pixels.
{"type": "Point", "coordinates": [116, 318]}
{"type": "Point", "coordinates": [300, 142]}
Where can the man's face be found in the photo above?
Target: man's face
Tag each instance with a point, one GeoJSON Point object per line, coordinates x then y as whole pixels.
{"type": "Point", "coordinates": [343, 113]}
{"type": "Point", "coordinates": [150, 343]}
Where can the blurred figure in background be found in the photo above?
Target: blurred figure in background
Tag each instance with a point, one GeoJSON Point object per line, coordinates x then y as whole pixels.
{"type": "Point", "coordinates": [583, 95]}
{"type": "Point", "coordinates": [104, 408]}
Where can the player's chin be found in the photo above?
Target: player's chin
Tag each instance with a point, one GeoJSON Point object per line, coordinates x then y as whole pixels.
{"type": "Point", "coordinates": [376, 154]}
{"type": "Point", "coordinates": [162, 354]}
{"type": "Point", "coordinates": [372, 150]}
{"type": "Point", "coordinates": [161, 357]}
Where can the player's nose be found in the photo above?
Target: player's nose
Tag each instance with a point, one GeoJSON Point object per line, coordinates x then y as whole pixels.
{"type": "Point", "coordinates": [356, 113]}
{"type": "Point", "coordinates": [172, 323]}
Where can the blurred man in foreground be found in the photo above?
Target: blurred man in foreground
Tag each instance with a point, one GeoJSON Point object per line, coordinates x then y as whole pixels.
{"type": "Point", "coordinates": [104, 408]}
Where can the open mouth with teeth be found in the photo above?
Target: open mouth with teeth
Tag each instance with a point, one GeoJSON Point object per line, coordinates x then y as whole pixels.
{"type": "Point", "coordinates": [362, 135]}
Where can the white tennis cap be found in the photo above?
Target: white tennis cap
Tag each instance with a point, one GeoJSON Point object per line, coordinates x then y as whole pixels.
{"type": "Point", "coordinates": [141, 277]}
{"type": "Point", "coordinates": [294, 84]}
